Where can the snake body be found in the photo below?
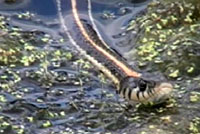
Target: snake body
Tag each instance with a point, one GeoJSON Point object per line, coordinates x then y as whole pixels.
{"type": "Point", "coordinates": [129, 84]}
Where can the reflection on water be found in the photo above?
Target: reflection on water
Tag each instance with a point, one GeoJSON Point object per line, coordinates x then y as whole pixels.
{"type": "Point", "coordinates": [46, 87]}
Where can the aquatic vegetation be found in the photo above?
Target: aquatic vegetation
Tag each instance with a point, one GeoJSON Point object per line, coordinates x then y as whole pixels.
{"type": "Point", "coordinates": [168, 38]}
{"type": "Point", "coordinates": [15, 49]}
{"type": "Point", "coordinates": [168, 41]}
{"type": "Point", "coordinates": [194, 126]}
{"type": "Point", "coordinates": [8, 79]}
{"type": "Point", "coordinates": [27, 57]}
{"type": "Point", "coordinates": [26, 15]}
{"type": "Point", "coordinates": [195, 97]}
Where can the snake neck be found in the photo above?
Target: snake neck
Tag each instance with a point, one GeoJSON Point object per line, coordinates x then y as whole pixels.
{"type": "Point", "coordinates": [88, 40]}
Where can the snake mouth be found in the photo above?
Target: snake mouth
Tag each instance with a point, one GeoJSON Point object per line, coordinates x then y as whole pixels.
{"type": "Point", "coordinates": [165, 87]}
{"type": "Point", "coordinates": [161, 92]}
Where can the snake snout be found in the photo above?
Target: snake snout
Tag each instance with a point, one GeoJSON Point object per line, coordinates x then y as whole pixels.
{"type": "Point", "coordinates": [164, 88]}
{"type": "Point", "coordinates": [163, 91]}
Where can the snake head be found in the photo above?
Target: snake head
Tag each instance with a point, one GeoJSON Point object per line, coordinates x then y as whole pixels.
{"type": "Point", "coordinates": [142, 90]}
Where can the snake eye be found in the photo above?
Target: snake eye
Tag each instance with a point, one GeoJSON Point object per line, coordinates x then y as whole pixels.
{"type": "Point", "coordinates": [142, 85]}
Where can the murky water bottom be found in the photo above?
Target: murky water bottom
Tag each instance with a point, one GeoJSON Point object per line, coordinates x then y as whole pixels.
{"type": "Point", "coordinates": [46, 88]}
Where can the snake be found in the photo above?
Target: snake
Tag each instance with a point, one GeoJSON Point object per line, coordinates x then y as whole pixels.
{"type": "Point", "coordinates": [85, 37]}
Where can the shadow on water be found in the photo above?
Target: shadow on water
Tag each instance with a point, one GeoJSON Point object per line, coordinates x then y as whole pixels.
{"type": "Point", "coordinates": [46, 87]}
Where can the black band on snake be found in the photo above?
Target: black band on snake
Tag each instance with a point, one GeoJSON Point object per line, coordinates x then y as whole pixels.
{"type": "Point", "coordinates": [129, 84]}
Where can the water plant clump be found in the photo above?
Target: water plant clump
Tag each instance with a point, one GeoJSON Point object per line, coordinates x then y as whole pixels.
{"type": "Point", "coordinates": [168, 38]}
{"type": "Point", "coordinates": [31, 68]}
{"type": "Point", "coordinates": [195, 126]}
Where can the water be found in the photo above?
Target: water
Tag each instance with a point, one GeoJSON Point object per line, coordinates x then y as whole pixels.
{"type": "Point", "coordinates": [47, 88]}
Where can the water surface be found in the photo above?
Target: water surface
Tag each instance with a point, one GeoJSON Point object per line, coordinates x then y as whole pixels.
{"type": "Point", "coordinates": [59, 92]}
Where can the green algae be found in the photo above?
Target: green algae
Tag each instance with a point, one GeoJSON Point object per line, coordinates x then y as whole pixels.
{"type": "Point", "coordinates": [194, 126]}
{"type": "Point", "coordinates": [20, 48]}
{"type": "Point", "coordinates": [46, 124]}
{"type": "Point", "coordinates": [6, 126]}
{"type": "Point", "coordinates": [168, 41]}
{"type": "Point", "coordinates": [195, 97]}
{"type": "Point", "coordinates": [168, 38]}
{"type": "Point", "coordinates": [30, 50]}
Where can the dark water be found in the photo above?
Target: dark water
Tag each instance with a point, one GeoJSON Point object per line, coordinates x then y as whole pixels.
{"type": "Point", "coordinates": [61, 94]}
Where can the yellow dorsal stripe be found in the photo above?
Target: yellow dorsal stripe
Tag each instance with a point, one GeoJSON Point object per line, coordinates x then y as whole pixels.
{"type": "Point", "coordinates": [123, 67]}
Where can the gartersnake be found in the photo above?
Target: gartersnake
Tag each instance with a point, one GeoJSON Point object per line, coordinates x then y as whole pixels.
{"type": "Point", "coordinates": [86, 39]}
